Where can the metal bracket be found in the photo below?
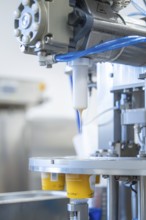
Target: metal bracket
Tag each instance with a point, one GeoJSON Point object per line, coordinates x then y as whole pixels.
{"type": "Point", "coordinates": [133, 116]}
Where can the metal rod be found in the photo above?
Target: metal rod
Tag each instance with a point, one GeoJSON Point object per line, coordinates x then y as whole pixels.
{"type": "Point", "coordinates": [143, 148]}
{"type": "Point", "coordinates": [134, 203]}
{"type": "Point", "coordinates": [119, 29]}
{"type": "Point", "coordinates": [142, 198]}
{"type": "Point", "coordinates": [124, 133]}
{"type": "Point", "coordinates": [112, 199]}
{"type": "Point", "coordinates": [78, 210]}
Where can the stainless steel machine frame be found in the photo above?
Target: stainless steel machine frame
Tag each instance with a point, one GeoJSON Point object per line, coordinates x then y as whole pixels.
{"type": "Point", "coordinates": [79, 25]}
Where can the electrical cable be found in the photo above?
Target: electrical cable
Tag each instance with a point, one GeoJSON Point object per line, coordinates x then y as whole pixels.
{"type": "Point", "coordinates": [100, 48]}
{"type": "Point", "coordinates": [123, 48]}
{"type": "Point", "coordinates": [100, 114]}
{"type": "Point", "coordinates": [79, 126]}
{"type": "Point", "coordinates": [131, 187]}
{"type": "Point", "coordinates": [74, 55]}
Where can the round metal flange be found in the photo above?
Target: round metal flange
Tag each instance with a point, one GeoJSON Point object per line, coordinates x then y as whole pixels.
{"type": "Point", "coordinates": [30, 21]}
{"type": "Point", "coordinates": [92, 165]}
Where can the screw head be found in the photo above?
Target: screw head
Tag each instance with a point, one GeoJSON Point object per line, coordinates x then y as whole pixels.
{"type": "Point", "coordinates": [17, 33]}
{"type": "Point", "coordinates": [35, 26]}
{"type": "Point", "coordinates": [22, 48]}
{"type": "Point", "coordinates": [26, 39]}
{"type": "Point", "coordinates": [35, 8]}
{"type": "Point", "coordinates": [25, 2]}
{"type": "Point", "coordinates": [38, 44]}
{"type": "Point", "coordinates": [17, 14]}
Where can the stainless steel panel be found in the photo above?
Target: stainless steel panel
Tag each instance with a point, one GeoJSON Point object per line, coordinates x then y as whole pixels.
{"type": "Point", "coordinates": [13, 151]}
{"type": "Point", "coordinates": [33, 206]}
{"type": "Point", "coordinates": [134, 116]}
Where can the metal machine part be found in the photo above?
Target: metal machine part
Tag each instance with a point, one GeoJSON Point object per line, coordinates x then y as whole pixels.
{"type": "Point", "coordinates": [78, 210]}
{"type": "Point", "coordinates": [126, 149]}
{"type": "Point", "coordinates": [112, 199]}
{"type": "Point", "coordinates": [32, 24]}
{"type": "Point", "coordinates": [117, 5]}
{"type": "Point", "coordinates": [80, 68]}
{"type": "Point", "coordinates": [126, 167]}
{"type": "Point", "coordinates": [142, 198]}
{"type": "Point", "coordinates": [33, 204]}
{"type": "Point", "coordinates": [104, 165]}
{"type": "Point", "coordinates": [77, 26]}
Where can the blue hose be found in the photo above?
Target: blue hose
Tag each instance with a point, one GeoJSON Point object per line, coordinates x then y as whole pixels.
{"type": "Point", "coordinates": [79, 126]}
{"type": "Point", "coordinates": [100, 48]}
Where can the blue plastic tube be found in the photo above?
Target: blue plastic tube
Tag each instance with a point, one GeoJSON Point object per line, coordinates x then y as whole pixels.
{"type": "Point", "coordinates": [100, 48]}
{"type": "Point", "coordinates": [77, 113]}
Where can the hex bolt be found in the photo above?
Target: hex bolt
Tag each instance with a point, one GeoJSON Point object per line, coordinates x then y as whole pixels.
{"type": "Point", "coordinates": [35, 8]}
{"type": "Point", "coordinates": [17, 33]}
{"type": "Point", "coordinates": [25, 2]}
{"type": "Point", "coordinates": [38, 45]}
{"type": "Point", "coordinates": [22, 48]}
{"type": "Point", "coordinates": [35, 26]}
{"type": "Point", "coordinates": [26, 39]}
{"type": "Point", "coordinates": [17, 14]}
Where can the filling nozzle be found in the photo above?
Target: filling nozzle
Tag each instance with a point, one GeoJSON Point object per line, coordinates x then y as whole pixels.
{"type": "Point", "coordinates": [80, 69]}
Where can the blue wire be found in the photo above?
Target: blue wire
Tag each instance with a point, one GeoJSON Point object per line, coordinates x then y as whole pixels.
{"type": "Point", "coordinates": [97, 48]}
{"type": "Point", "coordinates": [77, 113]}
{"type": "Point", "coordinates": [100, 48]}
{"type": "Point", "coordinates": [86, 52]}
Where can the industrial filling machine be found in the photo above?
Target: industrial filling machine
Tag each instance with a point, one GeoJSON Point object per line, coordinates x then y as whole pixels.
{"type": "Point", "coordinates": [88, 35]}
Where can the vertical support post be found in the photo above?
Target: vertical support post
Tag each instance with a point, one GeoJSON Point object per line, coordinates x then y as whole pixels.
{"type": "Point", "coordinates": [145, 125]}
{"type": "Point", "coordinates": [142, 198]}
{"type": "Point", "coordinates": [78, 210]}
{"type": "Point", "coordinates": [134, 203]}
{"type": "Point", "coordinates": [112, 198]}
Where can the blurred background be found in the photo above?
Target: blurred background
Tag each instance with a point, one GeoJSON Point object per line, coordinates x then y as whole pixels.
{"type": "Point", "coordinates": [36, 114]}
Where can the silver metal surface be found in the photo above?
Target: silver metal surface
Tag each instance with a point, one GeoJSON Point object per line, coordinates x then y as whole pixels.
{"type": "Point", "coordinates": [13, 151]}
{"type": "Point", "coordinates": [30, 196]}
{"type": "Point", "coordinates": [120, 4]}
{"type": "Point", "coordinates": [79, 25]}
{"type": "Point", "coordinates": [120, 29]}
{"type": "Point", "coordinates": [37, 22]}
{"type": "Point", "coordinates": [142, 198]}
{"type": "Point", "coordinates": [105, 166]}
{"type": "Point", "coordinates": [134, 116]}
{"type": "Point", "coordinates": [112, 199]}
{"type": "Point", "coordinates": [106, 28]}
{"type": "Point", "coordinates": [78, 211]}
{"type": "Point", "coordinates": [134, 203]}
{"type": "Point", "coordinates": [36, 205]}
